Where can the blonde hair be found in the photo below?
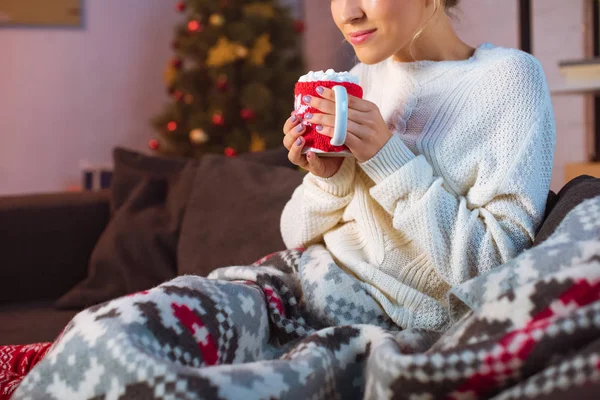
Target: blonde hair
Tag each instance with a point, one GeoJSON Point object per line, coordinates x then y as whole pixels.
{"type": "Point", "coordinates": [447, 4]}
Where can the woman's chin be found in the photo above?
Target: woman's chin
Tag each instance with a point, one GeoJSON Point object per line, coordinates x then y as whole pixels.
{"type": "Point", "coordinates": [369, 56]}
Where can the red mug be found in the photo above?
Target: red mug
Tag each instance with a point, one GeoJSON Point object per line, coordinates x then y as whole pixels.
{"type": "Point", "coordinates": [314, 141]}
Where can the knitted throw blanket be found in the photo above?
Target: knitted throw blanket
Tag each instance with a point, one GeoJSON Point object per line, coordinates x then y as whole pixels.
{"type": "Point", "coordinates": [296, 326]}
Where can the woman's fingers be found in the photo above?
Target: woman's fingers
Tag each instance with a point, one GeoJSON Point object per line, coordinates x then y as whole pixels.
{"type": "Point", "coordinates": [354, 102]}
{"type": "Point", "coordinates": [320, 119]}
{"type": "Point", "coordinates": [292, 135]}
{"type": "Point", "coordinates": [294, 142]}
{"type": "Point", "coordinates": [291, 122]}
{"type": "Point", "coordinates": [315, 164]}
{"type": "Point", "coordinates": [353, 129]}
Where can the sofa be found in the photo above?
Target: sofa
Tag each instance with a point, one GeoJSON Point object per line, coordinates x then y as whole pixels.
{"type": "Point", "coordinates": [177, 217]}
{"type": "Point", "coordinates": [51, 243]}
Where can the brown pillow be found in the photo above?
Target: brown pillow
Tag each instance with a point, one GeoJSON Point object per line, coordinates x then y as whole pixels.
{"type": "Point", "coordinates": [137, 250]}
{"type": "Point", "coordinates": [233, 213]}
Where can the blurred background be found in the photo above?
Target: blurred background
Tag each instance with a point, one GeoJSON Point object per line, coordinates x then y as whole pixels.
{"type": "Point", "coordinates": [106, 75]}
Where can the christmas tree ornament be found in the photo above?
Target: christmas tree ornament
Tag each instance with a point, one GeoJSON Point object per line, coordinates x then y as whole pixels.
{"type": "Point", "coordinates": [225, 52]}
{"type": "Point", "coordinates": [178, 95]}
{"type": "Point", "coordinates": [153, 144]}
{"type": "Point", "coordinates": [299, 26]}
{"type": "Point", "coordinates": [230, 152]}
{"type": "Point", "coordinates": [198, 136]}
{"type": "Point", "coordinates": [170, 74]}
{"type": "Point", "coordinates": [257, 143]}
{"type": "Point", "coordinates": [241, 51]}
{"type": "Point", "coordinates": [262, 48]}
{"type": "Point", "coordinates": [247, 114]}
{"type": "Point", "coordinates": [177, 63]}
{"type": "Point", "coordinates": [216, 20]}
{"type": "Point", "coordinates": [181, 6]}
{"type": "Point", "coordinates": [172, 126]}
{"type": "Point", "coordinates": [222, 82]}
{"type": "Point", "coordinates": [195, 26]}
{"type": "Point", "coordinates": [218, 119]}
{"type": "Point", "coordinates": [263, 10]}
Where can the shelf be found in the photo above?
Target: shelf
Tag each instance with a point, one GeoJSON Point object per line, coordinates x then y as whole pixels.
{"type": "Point", "coordinates": [585, 168]}
{"type": "Point", "coordinates": [580, 77]}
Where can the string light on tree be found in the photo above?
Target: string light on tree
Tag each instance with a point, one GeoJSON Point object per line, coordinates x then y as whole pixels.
{"type": "Point", "coordinates": [177, 63]}
{"type": "Point", "coordinates": [218, 119]}
{"type": "Point", "coordinates": [230, 152]}
{"type": "Point", "coordinates": [172, 126]}
{"type": "Point", "coordinates": [195, 26]}
{"type": "Point", "coordinates": [178, 95]}
{"type": "Point", "coordinates": [299, 26]}
{"type": "Point", "coordinates": [222, 82]}
{"type": "Point", "coordinates": [181, 6]}
{"type": "Point", "coordinates": [153, 144]}
{"type": "Point", "coordinates": [247, 114]}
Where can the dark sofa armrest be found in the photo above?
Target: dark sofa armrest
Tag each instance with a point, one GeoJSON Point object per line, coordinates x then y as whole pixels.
{"type": "Point", "coordinates": [46, 241]}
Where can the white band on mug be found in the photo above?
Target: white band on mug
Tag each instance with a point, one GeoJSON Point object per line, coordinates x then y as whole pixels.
{"type": "Point", "coordinates": [341, 116]}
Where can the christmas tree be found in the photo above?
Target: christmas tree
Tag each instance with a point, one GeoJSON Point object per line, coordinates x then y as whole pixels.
{"type": "Point", "coordinates": [231, 79]}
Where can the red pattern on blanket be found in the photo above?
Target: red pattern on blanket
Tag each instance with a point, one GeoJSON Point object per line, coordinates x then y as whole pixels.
{"type": "Point", "coordinates": [16, 362]}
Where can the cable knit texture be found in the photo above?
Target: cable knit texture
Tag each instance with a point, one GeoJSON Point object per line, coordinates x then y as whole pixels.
{"type": "Point", "coordinates": [459, 189]}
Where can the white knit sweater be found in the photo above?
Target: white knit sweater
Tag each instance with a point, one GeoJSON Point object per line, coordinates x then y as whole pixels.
{"type": "Point", "coordinates": [460, 188]}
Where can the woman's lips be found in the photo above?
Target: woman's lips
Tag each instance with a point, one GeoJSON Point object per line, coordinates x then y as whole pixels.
{"type": "Point", "coordinates": [361, 37]}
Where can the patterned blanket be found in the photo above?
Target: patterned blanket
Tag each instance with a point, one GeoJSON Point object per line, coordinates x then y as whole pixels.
{"type": "Point", "coordinates": [296, 326]}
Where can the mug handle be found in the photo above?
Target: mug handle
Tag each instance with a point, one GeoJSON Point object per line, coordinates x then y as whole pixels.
{"type": "Point", "coordinates": [341, 116]}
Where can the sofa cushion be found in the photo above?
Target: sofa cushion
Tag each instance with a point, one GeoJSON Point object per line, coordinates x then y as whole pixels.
{"type": "Point", "coordinates": [137, 250]}
{"type": "Point", "coordinates": [31, 323]}
{"type": "Point", "coordinates": [572, 194]}
{"type": "Point", "coordinates": [149, 196]}
{"type": "Point", "coordinates": [233, 215]}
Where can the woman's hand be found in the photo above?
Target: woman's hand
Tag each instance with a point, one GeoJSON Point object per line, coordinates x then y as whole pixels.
{"type": "Point", "coordinates": [324, 167]}
{"type": "Point", "coordinates": [367, 131]}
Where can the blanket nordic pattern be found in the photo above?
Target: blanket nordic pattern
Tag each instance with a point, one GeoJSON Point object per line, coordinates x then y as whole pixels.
{"type": "Point", "coordinates": [16, 362]}
{"type": "Point", "coordinates": [296, 326]}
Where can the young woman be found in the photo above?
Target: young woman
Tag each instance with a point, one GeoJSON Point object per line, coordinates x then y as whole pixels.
{"type": "Point", "coordinates": [453, 150]}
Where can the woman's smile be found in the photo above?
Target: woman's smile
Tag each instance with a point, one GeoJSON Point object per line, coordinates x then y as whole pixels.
{"type": "Point", "coordinates": [360, 37]}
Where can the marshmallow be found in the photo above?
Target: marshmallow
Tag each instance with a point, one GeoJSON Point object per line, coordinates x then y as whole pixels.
{"type": "Point", "coordinates": [329, 75]}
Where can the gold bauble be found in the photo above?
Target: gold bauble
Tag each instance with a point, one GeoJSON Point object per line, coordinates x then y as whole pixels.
{"type": "Point", "coordinates": [216, 19]}
{"type": "Point", "coordinates": [198, 136]}
{"type": "Point", "coordinates": [257, 143]}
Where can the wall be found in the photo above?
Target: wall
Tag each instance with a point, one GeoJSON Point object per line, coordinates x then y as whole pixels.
{"type": "Point", "coordinates": [70, 95]}
{"type": "Point", "coordinates": [478, 21]}
{"type": "Point", "coordinates": [324, 45]}
{"type": "Point", "coordinates": [557, 35]}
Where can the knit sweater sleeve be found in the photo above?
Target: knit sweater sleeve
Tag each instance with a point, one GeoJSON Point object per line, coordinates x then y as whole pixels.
{"type": "Point", "coordinates": [469, 232]}
{"type": "Point", "coordinates": [316, 206]}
